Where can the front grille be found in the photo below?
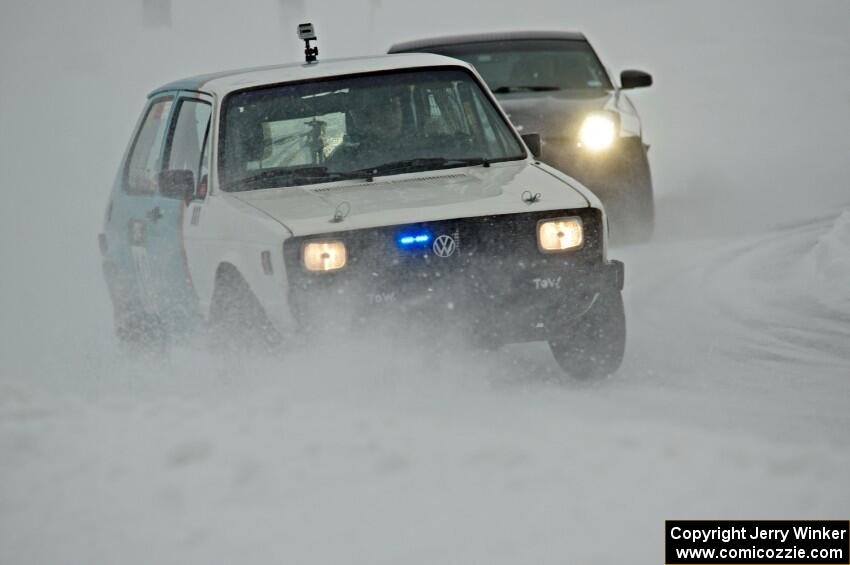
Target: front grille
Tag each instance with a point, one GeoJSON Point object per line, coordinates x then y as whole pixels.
{"type": "Point", "coordinates": [497, 279]}
{"type": "Point", "coordinates": [487, 245]}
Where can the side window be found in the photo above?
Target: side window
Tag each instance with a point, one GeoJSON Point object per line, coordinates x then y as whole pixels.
{"type": "Point", "coordinates": [144, 162]}
{"type": "Point", "coordinates": [188, 137]}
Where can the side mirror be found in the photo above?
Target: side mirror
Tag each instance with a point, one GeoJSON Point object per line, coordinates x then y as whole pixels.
{"type": "Point", "coordinates": [535, 145]}
{"type": "Point", "coordinates": [635, 79]}
{"type": "Point", "coordinates": [177, 183]}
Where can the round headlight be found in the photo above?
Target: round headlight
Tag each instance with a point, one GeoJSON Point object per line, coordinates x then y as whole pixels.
{"type": "Point", "coordinates": [598, 131]}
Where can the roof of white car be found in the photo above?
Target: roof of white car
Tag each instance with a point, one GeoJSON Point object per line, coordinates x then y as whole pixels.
{"type": "Point", "coordinates": [228, 81]}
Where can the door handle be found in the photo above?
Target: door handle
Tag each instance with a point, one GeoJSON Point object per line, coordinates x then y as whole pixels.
{"type": "Point", "coordinates": [154, 215]}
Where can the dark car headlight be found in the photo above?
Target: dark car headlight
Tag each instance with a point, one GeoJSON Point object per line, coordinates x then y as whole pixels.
{"type": "Point", "coordinates": [598, 131]}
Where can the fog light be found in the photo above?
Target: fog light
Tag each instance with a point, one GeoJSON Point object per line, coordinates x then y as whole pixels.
{"type": "Point", "coordinates": [560, 235]}
{"type": "Point", "coordinates": [324, 255]}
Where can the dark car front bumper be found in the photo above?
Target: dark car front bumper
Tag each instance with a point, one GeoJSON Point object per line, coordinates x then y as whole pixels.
{"type": "Point", "coordinates": [609, 173]}
{"type": "Point", "coordinates": [497, 283]}
{"type": "Point", "coordinates": [619, 176]}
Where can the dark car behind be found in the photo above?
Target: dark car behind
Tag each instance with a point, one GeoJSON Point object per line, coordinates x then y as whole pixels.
{"type": "Point", "coordinates": [553, 84]}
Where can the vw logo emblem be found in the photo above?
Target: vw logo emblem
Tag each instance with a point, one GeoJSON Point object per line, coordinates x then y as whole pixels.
{"type": "Point", "coordinates": [444, 246]}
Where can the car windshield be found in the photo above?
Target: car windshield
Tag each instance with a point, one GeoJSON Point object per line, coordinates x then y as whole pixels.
{"type": "Point", "coordinates": [532, 65]}
{"type": "Point", "coordinates": [358, 127]}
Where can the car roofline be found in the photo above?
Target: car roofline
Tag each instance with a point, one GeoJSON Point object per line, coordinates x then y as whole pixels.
{"type": "Point", "coordinates": [445, 40]}
{"type": "Point", "coordinates": [223, 82]}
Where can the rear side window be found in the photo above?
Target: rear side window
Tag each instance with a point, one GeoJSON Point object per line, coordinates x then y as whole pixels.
{"type": "Point", "coordinates": [188, 137]}
{"type": "Point", "coordinates": [140, 176]}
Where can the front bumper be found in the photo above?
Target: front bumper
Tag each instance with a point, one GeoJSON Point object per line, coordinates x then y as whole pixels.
{"type": "Point", "coordinates": [497, 284]}
{"type": "Point", "coordinates": [609, 173]}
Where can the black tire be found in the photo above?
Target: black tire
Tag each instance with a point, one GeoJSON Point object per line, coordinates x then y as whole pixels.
{"type": "Point", "coordinates": [594, 345]}
{"type": "Point", "coordinates": [135, 329]}
{"type": "Point", "coordinates": [141, 332]}
{"type": "Point", "coordinates": [237, 320]}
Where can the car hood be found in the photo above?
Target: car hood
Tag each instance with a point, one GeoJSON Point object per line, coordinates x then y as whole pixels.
{"type": "Point", "coordinates": [553, 114]}
{"type": "Point", "coordinates": [416, 197]}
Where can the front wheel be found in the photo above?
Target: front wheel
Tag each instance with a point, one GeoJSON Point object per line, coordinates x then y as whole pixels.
{"type": "Point", "coordinates": [594, 345]}
{"type": "Point", "coordinates": [237, 319]}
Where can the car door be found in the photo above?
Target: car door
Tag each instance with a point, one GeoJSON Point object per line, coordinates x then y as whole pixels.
{"type": "Point", "coordinates": [131, 210]}
{"type": "Point", "coordinates": [184, 151]}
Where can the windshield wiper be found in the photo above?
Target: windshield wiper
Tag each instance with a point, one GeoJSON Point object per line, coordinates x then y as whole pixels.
{"type": "Point", "coordinates": [521, 88]}
{"type": "Point", "coordinates": [420, 164]}
{"type": "Point", "coordinates": [309, 173]}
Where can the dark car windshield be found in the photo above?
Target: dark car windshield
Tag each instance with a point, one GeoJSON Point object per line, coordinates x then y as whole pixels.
{"type": "Point", "coordinates": [532, 65]}
{"type": "Point", "coordinates": [359, 126]}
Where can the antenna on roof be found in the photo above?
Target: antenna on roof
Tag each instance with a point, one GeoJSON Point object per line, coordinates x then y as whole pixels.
{"type": "Point", "coordinates": [308, 33]}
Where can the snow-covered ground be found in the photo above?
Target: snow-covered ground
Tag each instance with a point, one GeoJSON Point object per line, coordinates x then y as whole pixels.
{"type": "Point", "coordinates": [732, 402]}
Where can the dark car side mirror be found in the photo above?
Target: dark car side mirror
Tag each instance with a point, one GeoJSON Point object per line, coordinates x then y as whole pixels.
{"type": "Point", "coordinates": [177, 183]}
{"type": "Point", "coordinates": [535, 145]}
{"type": "Point", "coordinates": [635, 79]}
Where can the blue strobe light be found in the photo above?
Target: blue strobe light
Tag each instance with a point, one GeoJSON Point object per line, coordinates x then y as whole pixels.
{"type": "Point", "coordinates": [414, 240]}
